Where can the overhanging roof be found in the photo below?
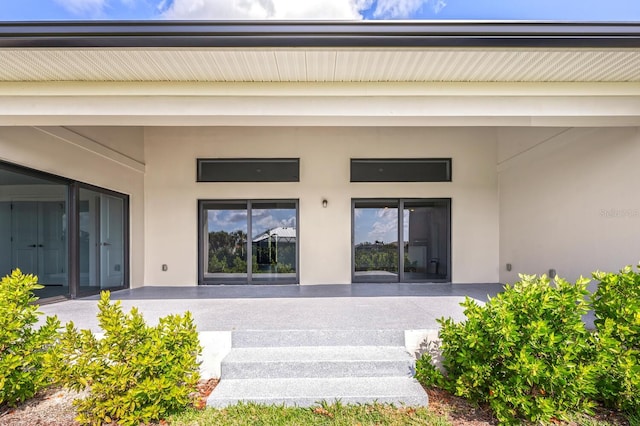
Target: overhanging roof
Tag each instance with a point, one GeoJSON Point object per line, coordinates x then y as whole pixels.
{"type": "Point", "coordinates": [351, 73]}
{"type": "Point", "coordinates": [269, 51]}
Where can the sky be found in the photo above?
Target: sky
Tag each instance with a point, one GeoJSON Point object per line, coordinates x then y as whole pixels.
{"type": "Point", "coordinates": [262, 220]}
{"type": "Point", "coordinates": [553, 10]}
{"type": "Point", "coordinates": [379, 224]}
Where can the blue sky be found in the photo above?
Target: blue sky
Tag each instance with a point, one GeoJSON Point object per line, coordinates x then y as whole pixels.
{"type": "Point", "coordinates": [556, 10]}
{"type": "Point", "coordinates": [379, 224]}
{"type": "Point", "coordinates": [262, 220]}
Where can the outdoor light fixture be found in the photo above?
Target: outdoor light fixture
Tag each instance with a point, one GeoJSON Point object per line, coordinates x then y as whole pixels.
{"type": "Point", "coordinates": [324, 203]}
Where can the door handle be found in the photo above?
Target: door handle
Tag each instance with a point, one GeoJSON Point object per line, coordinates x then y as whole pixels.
{"type": "Point", "coordinates": [40, 245]}
{"type": "Point", "coordinates": [105, 244]}
{"type": "Point", "coordinates": [32, 245]}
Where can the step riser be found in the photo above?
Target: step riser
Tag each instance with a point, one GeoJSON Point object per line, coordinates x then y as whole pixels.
{"type": "Point", "coordinates": [310, 402]}
{"type": "Point", "coordinates": [310, 391]}
{"type": "Point", "coordinates": [247, 370]}
{"type": "Point", "coordinates": [292, 338]}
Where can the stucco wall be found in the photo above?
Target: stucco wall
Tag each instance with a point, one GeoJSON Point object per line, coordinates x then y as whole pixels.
{"type": "Point", "coordinates": [39, 150]}
{"type": "Point", "coordinates": [171, 192]}
{"type": "Point", "coordinates": [569, 200]}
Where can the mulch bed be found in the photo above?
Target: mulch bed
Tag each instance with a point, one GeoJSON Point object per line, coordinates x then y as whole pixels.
{"type": "Point", "coordinates": [461, 412]}
{"type": "Point", "coordinates": [54, 408]}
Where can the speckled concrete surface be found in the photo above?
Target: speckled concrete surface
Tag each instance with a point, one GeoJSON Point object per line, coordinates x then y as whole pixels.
{"type": "Point", "coordinates": [343, 307]}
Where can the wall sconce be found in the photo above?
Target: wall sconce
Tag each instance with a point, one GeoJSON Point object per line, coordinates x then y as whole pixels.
{"type": "Point", "coordinates": [324, 203]}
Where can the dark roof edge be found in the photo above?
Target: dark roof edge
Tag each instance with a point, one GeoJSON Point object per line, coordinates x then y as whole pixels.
{"type": "Point", "coordinates": [238, 34]}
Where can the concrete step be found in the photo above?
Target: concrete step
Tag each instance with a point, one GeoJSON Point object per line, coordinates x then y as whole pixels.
{"type": "Point", "coordinates": [305, 367]}
{"type": "Point", "coordinates": [290, 338]}
{"type": "Point", "coordinates": [317, 361]}
{"type": "Point", "coordinates": [310, 391]}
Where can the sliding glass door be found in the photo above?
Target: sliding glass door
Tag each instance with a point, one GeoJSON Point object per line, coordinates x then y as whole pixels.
{"type": "Point", "coordinates": [234, 232]}
{"type": "Point", "coordinates": [401, 240]}
{"type": "Point", "coordinates": [72, 236]}
{"type": "Point", "coordinates": [102, 240]}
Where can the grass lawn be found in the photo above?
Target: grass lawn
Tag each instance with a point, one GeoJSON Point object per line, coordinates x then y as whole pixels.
{"type": "Point", "coordinates": [323, 414]}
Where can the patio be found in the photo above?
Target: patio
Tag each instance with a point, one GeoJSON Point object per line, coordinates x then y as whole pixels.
{"type": "Point", "coordinates": [290, 307]}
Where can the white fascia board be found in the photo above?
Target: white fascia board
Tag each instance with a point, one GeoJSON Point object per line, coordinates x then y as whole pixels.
{"type": "Point", "coordinates": [309, 105]}
{"type": "Point", "coordinates": [317, 89]}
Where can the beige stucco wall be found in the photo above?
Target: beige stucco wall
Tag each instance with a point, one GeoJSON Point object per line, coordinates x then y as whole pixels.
{"type": "Point", "coordinates": [41, 150]}
{"type": "Point", "coordinates": [538, 198]}
{"type": "Point", "coordinates": [568, 200]}
{"type": "Point", "coordinates": [127, 140]}
{"type": "Point", "coordinates": [171, 192]}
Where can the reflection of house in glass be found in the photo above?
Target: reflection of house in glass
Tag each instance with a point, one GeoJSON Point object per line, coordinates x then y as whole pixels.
{"type": "Point", "coordinates": [275, 250]}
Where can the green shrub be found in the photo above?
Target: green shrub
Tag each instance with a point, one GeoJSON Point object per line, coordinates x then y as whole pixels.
{"type": "Point", "coordinates": [25, 351]}
{"type": "Point", "coordinates": [135, 373]}
{"type": "Point", "coordinates": [526, 352]}
{"type": "Point", "coordinates": [427, 373]}
{"type": "Point", "coordinates": [617, 309]}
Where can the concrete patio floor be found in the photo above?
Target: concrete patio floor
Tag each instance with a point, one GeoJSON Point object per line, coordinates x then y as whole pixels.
{"type": "Point", "coordinates": [289, 307]}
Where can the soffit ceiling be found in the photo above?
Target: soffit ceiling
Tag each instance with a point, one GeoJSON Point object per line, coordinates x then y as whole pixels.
{"type": "Point", "coordinates": [307, 64]}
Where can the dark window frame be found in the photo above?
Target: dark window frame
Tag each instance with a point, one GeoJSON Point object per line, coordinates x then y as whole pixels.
{"type": "Point", "coordinates": [126, 236]}
{"type": "Point", "coordinates": [73, 227]}
{"type": "Point", "coordinates": [360, 166]}
{"type": "Point", "coordinates": [400, 202]}
{"type": "Point", "coordinates": [262, 163]}
{"type": "Point", "coordinates": [248, 204]}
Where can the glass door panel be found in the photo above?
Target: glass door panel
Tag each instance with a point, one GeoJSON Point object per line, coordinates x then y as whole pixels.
{"type": "Point", "coordinates": [273, 242]}
{"type": "Point", "coordinates": [426, 240]}
{"type": "Point", "coordinates": [33, 229]}
{"type": "Point", "coordinates": [376, 241]}
{"type": "Point", "coordinates": [111, 242]}
{"type": "Point", "coordinates": [402, 240]}
{"type": "Point", "coordinates": [225, 253]}
{"type": "Point", "coordinates": [101, 241]}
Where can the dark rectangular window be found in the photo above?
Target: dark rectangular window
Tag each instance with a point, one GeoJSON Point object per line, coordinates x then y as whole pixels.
{"type": "Point", "coordinates": [401, 170]}
{"type": "Point", "coordinates": [248, 170]}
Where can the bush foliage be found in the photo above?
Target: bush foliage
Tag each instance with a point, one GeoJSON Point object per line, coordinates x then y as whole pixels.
{"type": "Point", "coordinates": [25, 351]}
{"type": "Point", "coordinates": [617, 310]}
{"type": "Point", "coordinates": [526, 352]}
{"type": "Point", "coordinates": [135, 373]}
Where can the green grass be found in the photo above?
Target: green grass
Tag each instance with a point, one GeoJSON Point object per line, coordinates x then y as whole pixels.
{"type": "Point", "coordinates": [322, 414]}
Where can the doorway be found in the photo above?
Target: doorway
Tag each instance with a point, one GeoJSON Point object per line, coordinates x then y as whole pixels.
{"type": "Point", "coordinates": [248, 242]}
{"type": "Point", "coordinates": [401, 240]}
{"type": "Point", "coordinates": [101, 255]}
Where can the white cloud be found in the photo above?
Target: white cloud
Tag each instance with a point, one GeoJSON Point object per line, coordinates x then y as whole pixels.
{"type": "Point", "coordinates": [404, 9]}
{"type": "Point", "coordinates": [263, 9]}
{"type": "Point", "coordinates": [269, 222]}
{"type": "Point", "coordinates": [385, 228]}
{"type": "Point", "coordinates": [437, 5]}
{"type": "Point", "coordinates": [93, 8]}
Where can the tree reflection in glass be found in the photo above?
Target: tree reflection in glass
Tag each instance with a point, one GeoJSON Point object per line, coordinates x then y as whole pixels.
{"type": "Point", "coordinates": [376, 241]}
{"type": "Point", "coordinates": [227, 241]}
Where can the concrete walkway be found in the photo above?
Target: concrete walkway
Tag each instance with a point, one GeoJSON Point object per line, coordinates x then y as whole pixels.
{"type": "Point", "coordinates": [292, 307]}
